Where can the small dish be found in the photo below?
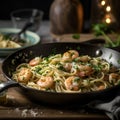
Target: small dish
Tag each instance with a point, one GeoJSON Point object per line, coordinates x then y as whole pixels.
{"type": "Point", "coordinates": [31, 38]}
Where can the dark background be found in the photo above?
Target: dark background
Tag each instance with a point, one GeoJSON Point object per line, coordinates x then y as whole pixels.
{"type": "Point", "coordinates": [9, 5]}
{"type": "Point", "coordinates": [6, 6]}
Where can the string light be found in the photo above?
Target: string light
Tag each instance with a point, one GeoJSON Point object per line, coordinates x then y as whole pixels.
{"type": "Point", "coordinates": [103, 2]}
{"type": "Point", "coordinates": [108, 8]}
{"type": "Point", "coordinates": [108, 20]}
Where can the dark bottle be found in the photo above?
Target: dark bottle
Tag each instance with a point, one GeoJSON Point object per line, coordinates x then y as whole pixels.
{"type": "Point", "coordinates": [66, 16]}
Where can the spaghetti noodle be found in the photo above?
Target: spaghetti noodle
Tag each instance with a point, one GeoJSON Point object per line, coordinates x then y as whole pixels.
{"type": "Point", "coordinates": [67, 72]}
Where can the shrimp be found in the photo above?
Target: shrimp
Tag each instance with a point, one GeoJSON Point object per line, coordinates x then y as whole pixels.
{"type": "Point", "coordinates": [84, 70]}
{"type": "Point", "coordinates": [72, 83]}
{"type": "Point", "coordinates": [70, 55]}
{"type": "Point", "coordinates": [101, 87]}
{"type": "Point", "coordinates": [45, 82]}
{"type": "Point", "coordinates": [114, 77]}
{"type": "Point", "coordinates": [24, 75]}
{"type": "Point", "coordinates": [35, 61]}
{"type": "Point", "coordinates": [85, 58]}
{"type": "Point", "coordinates": [68, 66]}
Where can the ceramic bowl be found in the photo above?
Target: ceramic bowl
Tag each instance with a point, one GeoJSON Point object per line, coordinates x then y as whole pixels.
{"type": "Point", "coordinates": [30, 38]}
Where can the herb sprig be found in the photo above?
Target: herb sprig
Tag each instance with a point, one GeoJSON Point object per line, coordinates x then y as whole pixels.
{"type": "Point", "coordinates": [103, 29]}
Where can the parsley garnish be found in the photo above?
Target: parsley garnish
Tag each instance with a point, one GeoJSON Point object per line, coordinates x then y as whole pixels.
{"type": "Point", "coordinates": [76, 36]}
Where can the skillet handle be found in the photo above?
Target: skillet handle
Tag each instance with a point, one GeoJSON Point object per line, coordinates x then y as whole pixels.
{"type": "Point", "coordinates": [8, 84]}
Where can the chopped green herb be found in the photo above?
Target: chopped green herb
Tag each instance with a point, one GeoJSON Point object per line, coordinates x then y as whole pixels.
{"type": "Point", "coordinates": [103, 29]}
{"type": "Point", "coordinates": [46, 58]}
{"type": "Point", "coordinates": [78, 47]}
{"type": "Point", "coordinates": [118, 82]}
{"type": "Point", "coordinates": [6, 37]}
{"type": "Point", "coordinates": [118, 61]}
{"type": "Point", "coordinates": [77, 79]}
{"type": "Point", "coordinates": [37, 69]}
{"type": "Point", "coordinates": [54, 51]}
{"type": "Point", "coordinates": [60, 67]}
{"type": "Point", "coordinates": [68, 48]}
{"type": "Point", "coordinates": [110, 56]}
{"type": "Point", "coordinates": [97, 67]}
{"type": "Point", "coordinates": [76, 36]}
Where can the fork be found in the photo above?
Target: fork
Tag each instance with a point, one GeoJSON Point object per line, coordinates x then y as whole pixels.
{"type": "Point", "coordinates": [17, 36]}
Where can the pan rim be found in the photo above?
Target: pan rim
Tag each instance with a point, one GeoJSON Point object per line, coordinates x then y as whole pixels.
{"type": "Point", "coordinates": [72, 93]}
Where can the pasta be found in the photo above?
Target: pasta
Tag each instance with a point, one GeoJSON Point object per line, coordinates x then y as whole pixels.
{"type": "Point", "coordinates": [7, 43]}
{"type": "Point", "coordinates": [67, 72]}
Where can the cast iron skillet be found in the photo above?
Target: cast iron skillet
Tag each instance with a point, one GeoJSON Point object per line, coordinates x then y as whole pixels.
{"type": "Point", "coordinates": [24, 55]}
